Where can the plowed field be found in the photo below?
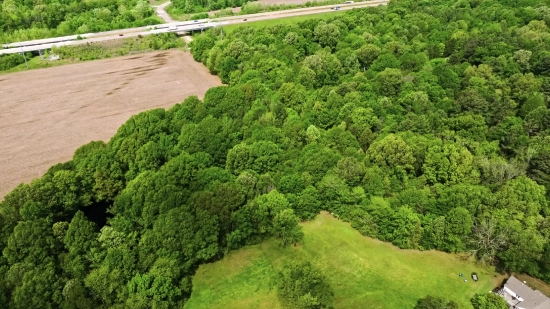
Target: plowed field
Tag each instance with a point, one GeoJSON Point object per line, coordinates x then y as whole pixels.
{"type": "Point", "coordinates": [46, 114]}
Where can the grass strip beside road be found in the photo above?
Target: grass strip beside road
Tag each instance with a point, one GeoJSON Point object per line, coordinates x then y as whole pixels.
{"type": "Point", "coordinates": [364, 272]}
{"type": "Point", "coordinates": [287, 21]}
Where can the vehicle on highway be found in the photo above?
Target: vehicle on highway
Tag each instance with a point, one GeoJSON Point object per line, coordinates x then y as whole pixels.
{"type": "Point", "coordinates": [348, 2]}
{"type": "Point", "coordinates": [122, 34]}
{"type": "Point", "coordinates": [336, 8]}
{"type": "Point", "coordinates": [245, 19]}
{"type": "Point", "coordinates": [195, 21]}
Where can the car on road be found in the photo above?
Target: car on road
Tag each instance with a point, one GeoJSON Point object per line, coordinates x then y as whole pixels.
{"type": "Point", "coordinates": [336, 8]}
{"type": "Point", "coordinates": [195, 21]}
{"type": "Point", "coordinates": [122, 34]}
{"type": "Point", "coordinates": [348, 2]}
{"type": "Point", "coordinates": [245, 19]}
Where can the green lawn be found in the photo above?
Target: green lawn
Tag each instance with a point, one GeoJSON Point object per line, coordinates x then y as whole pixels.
{"type": "Point", "coordinates": [364, 272]}
{"type": "Point", "coordinates": [287, 20]}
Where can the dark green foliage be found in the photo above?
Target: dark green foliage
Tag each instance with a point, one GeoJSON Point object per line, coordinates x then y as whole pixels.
{"type": "Point", "coordinates": [302, 286]}
{"type": "Point", "coordinates": [433, 302]}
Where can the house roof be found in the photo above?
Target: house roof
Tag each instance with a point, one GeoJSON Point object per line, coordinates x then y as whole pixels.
{"type": "Point", "coordinates": [532, 299]}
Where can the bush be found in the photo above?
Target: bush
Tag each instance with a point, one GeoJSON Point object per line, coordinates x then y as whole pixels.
{"type": "Point", "coordinates": [302, 286]}
{"type": "Point", "coordinates": [433, 302]}
{"type": "Point", "coordinates": [10, 61]}
{"type": "Point", "coordinates": [199, 16]}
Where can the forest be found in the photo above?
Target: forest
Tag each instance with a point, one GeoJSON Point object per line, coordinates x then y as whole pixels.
{"type": "Point", "coordinates": [423, 123]}
{"type": "Point", "coordinates": [22, 20]}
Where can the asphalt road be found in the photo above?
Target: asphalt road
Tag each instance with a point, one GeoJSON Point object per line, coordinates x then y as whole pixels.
{"type": "Point", "coordinates": [186, 26]}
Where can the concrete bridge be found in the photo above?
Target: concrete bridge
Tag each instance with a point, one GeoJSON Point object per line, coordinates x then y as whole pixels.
{"type": "Point", "coordinates": [46, 44]}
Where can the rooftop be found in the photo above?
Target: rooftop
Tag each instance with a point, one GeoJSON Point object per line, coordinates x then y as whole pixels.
{"type": "Point", "coordinates": [525, 296]}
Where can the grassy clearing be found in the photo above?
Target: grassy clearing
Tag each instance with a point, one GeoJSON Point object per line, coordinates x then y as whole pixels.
{"type": "Point", "coordinates": [364, 272]}
{"type": "Point", "coordinates": [286, 20]}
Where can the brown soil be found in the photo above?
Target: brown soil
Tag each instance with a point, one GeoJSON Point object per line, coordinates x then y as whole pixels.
{"type": "Point", "coordinates": [46, 114]}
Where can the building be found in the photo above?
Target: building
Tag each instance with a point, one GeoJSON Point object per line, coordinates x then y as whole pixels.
{"type": "Point", "coordinates": [519, 296]}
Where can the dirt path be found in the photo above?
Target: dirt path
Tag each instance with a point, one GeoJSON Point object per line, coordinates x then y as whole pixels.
{"type": "Point", "coordinates": [46, 114]}
{"type": "Point", "coordinates": [161, 12]}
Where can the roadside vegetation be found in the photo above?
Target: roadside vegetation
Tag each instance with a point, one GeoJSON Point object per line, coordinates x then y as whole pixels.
{"type": "Point", "coordinates": [293, 20]}
{"type": "Point", "coordinates": [362, 272]}
{"type": "Point", "coordinates": [91, 51]}
{"type": "Point", "coordinates": [424, 124]}
{"type": "Point", "coordinates": [27, 20]}
{"type": "Point", "coordinates": [245, 9]}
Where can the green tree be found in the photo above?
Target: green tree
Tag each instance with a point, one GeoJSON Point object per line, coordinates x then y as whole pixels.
{"type": "Point", "coordinates": [434, 302]}
{"type": "Point", "coordinates": [286, 228]}
{"type": "Point", "coordinates": [488, 301]}
{"type": "Point", "coordinates": [303, 286]}
{"type": "Point", "coordinates": [389, 82]}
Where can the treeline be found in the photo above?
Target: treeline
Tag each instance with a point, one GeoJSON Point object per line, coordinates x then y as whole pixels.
{"type": "Point", "coordinates": [27, 20]}
{"type": "Point", "coordinates": [423, 123]}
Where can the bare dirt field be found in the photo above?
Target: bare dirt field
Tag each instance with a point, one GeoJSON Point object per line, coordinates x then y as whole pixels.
{"type": "Point", "coordinates": [46, 114]}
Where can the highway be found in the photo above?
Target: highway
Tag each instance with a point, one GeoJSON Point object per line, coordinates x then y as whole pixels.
{"type": "Point", "coordinates": [179, 27]}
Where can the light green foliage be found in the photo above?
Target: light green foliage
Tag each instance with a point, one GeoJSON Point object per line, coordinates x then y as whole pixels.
{"type": "Point", "coordinates": [301, 286]}
{"type": "Point", "coordinates": [26, 21]}
{"type": "Point", "coordinates": [391, 152]}
{"type": "Point", "coordinates": [450, 164]}
{"type": "Point", "coordinates": [488, 301]}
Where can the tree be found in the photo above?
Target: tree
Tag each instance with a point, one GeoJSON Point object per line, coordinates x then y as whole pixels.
{"type": "Point", "coordinates": [434, 302]}
{"type": "Point", "coordinates": [450, 164]}
{"type": "Point", "coordinates": [327, 34]}
{"type": "Point", "coordinates": [367, 54]}
{"type": "Point", "coordinates": [80, 239]}
{"type": "Point", "coordinates": [488, 301]}
{"type": "Point", "coordinates": [391, 152]}
{"type": "Point", "coordinates": [286, 228]}
{"type": "Point", "coordinates": [389, 82]}
{"type": "Point", "coordinates": [303, 286]}
{"type": "Point", "coordinates": [458, 226]}
{"type": "Point", "coordinates": [487, 240]}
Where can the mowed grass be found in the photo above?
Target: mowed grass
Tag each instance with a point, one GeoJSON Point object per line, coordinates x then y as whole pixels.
{"type": "Point", "coordinates": [286, 20]}
{"type": "Point", "coordinates": [364, 272]}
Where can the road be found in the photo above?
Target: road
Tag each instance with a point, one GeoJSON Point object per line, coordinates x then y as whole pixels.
{"type": "Point", "coordinates": [180, 27]}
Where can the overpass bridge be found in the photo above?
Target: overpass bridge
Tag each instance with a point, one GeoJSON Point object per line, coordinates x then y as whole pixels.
{"type": "Point", "coordinates": [45, 44]}
{"type": "Point", "coordinates": [187, 26]}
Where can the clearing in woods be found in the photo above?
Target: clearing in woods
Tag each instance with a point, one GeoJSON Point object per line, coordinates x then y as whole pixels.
{"type": "Point", "coordinates": [363, 272]}
{"type": "Point", "coordinates": [46, 114]}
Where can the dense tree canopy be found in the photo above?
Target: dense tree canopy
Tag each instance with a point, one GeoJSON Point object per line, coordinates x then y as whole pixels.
{"type": "Point", "coordinates": [25, 20]}
{"type": "Point", "coordinates": [423, 123]}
